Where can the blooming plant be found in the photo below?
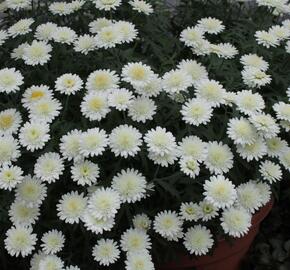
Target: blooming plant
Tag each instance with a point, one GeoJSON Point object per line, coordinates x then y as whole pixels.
{"type": "Point", "coordinates": [127, 130]}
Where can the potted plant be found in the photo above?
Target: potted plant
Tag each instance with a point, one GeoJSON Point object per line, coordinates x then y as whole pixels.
{"type": "Point", "coordinates": [131, 138]}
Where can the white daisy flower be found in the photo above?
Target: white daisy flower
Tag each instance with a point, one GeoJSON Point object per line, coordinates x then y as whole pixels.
{"type": "Point", "coordinates": [190, 211]}
{"type": "Point", "coordinates": [120, 99]}
{"type": "Point", "coordinates": [97, 225]}
{"type": "Point", "coordinates": [266, 39]}
{"type": "Point", "coordinates": [220, 191]}
{"type": "Point", "coordinates": [127, 31]}
{"type": "Point", "coordinates": [85, 172]}
{"type": "Point", "coordinates": [20, 241]}
{"type": "Point", "coordinates": [3, 36]}
{"type": "Point", "coordinates": [253, 77]}
{"type": "Point", "coordinates": [282, 110]}
{"type": "Point", "coordinates": [253, 151]}
{"type": "Point", "coordinates": [249, 196]}
{"type": "Point", "coordinates": [202, 47]}
{"type": "Point", "coordinates": [108, 37]}
{"type": "Point", "coordinates": [137, 74]}
{"type": "Point", "coordinates": [34, 135]}
{"type": "Point", "coordinates": [198, 240]}
{"type": "Point", "coordinates": [211, 25]}
{"type": "Point", "coordinates": [64, 35]}
{"type": "Point", "coordinates": [9, 150]}
{"type": "Point", "coordinates": [163, 159]}
{"type": "Point", "coordinates": [107, 4]}
{"type": "Point", "coordinates": [130, 184]}
{"type": "Point", "coordinates": [249, 102]}
{"type": "Point", "coordinates": [10, 121]}
{"type": "Point", "coordinates": [141, 6]}
{"type": "Point", "coordinates": [142, 109]}
{"type": "Point", "coordinates": [285, 158]}
{"type": "Point", "coordinates": [255, 61]}
{"type": "Point", "coordinates": [95, 106]}
{"type": "Point", "coordinates": [22, 214]}
{"type": "Point", "coordinates": [21, 27]}
{"type": "Point", "coordinates": [125, 141]}
{"type": "Point", "coordinates": [106, 252]}
{"type": "Point", "coordinates": [169, 225]}
{"type": "Point", "coordinates": [265, 124]}
{"type": "Point", "coordinates": [60, 8]}
{"type": "Point", "coordinates": [37, 53]}
{"type": "Point", "coordinates": [45, 110]}
{"type": "Point", "coordinates": [194, 69]}
{"type": "Point", "coordinates": [196, 111]}
{"type": "Point", "coordinates": [285, 125]}
{"type": "Point", "coordinates": [49, 167]}
{"type": "Point", "coordinates": [211, 91]}
{"type": "Point", "coordinates": [265, 192]}
{"type": "Point", "coordinates": [151, 89]}
{"type": "Point", "coordinates": [192, 36]}
{"type": "Point", "coordinates": [176, 81]}
{"type": "Point", "coordinates": [189, 166]}
{"type": "Point", "coordinates": [34, 94]}
{"type": "Point", "coordinates": [52, 242]}
{"type": "Point", "coordinates": [45, 31]}
{"type": "Point", "coordinates": [51, 262]}
{"type": "Point", "coordinates": [224, 50]}
{"type": "Point", "coordinates": [71, 207]}
{"type": "Point", "coordinates": [31, 191]}
{"type": "Point", "coordinates": [68, 84]}
{"type": "Point", "coordinates": [219, 158]}
{"type": "Point", "coordinates": [104, 203]}
{"type": "Point", "coordinates": [70, 145]}
{"type": "Point", "coordinates": [35, 260]}
{"type": "Point", "coordinates": [135, 240]}
{"type": "Point", "coordinates": [241, 131]}
{"type": "Point", "coordinates": [193, 146]}
{"type": "Point", "coordinates": [102, 80]}
{"type": "Point", "coordinates": [208, 210]}
{"type": "Point", "coordinates": [97, 25]}
{"type": "Point", "coordinates": [142, 222]}
{"type": "Point", "coordinates": [85, 44]}
{"type": "Point", "coordinates": [93, 142]}
{"type": "Point", "coordinates": [280, 32]}
{"type": "Point", "coordinates": [10, 80]}
{"type": "Point", "coordinates": [18, 4]}
{"type": "Point", "coordinates": [270, 171]}
{"type": "Point", "coordinates": [10, 176]}
{"type": "Point", "coordinates": [139, 260]}
{"type": "Point", "coordinates": [160, 141]}
{"type": "Point", "coordinates": [236, 222]}
{"type": "Point", "coordinates": [17, 53]}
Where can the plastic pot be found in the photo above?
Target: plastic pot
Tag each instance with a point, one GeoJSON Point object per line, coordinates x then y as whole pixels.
{"type": "Point", "coordinates": [226, 256]}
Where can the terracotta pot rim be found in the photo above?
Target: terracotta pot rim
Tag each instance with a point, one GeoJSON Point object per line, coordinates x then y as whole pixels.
{"type": "Point", "coordinates": [224, 250]}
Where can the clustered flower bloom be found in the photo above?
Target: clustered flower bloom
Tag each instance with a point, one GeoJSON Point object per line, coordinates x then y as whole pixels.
{"type": "Point", "coordinates": [105, 134]}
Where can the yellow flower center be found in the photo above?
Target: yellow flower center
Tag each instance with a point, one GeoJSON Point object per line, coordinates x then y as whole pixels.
{"type": "Point", "coordinates": [8, 79]}
{"type": "Point", "coordinates": [36, 94]}
{"type": "Point", "coordinates": [102, 81]}
{"type": "Point", "coordinates": [189, 210]}
{"type": "Point", "coordinates": [69, 83]}
{"type": "Point", "coordinates": [96, 104]}
{"type": "Point", "coordinates": [138, 73]}
{"type": "Point", "coordinates": [6, 121]}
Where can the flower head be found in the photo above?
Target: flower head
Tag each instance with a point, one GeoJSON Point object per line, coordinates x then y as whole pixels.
{"type": "Point", "coordinates": [198, 240]}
